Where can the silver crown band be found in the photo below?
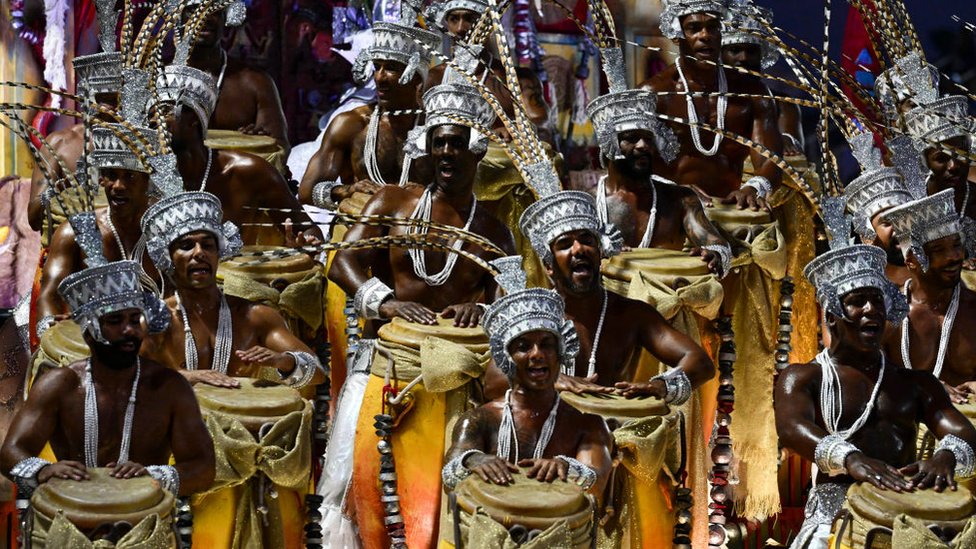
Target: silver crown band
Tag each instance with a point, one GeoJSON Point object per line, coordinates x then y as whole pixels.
{"type": "Point", "coordinates": [167, 476]}
{"type": "Point", "coordinates": [97, 291]}
{"type": "Point", "coordinates": [873, 192]}
{"type": "Point", "coordinates": [455, 471]}
{"type": "Point", "coordinates": [674, 10]}
{"type": "Point", "coordinates": [322, 194]}
{"type": "Point", "coordinates": [743, 26]}
{"type": "Point", "coordinates": [925, 220]}
{"type": "Point", "coordinates": [400, 43]}
{"type": "Point", "coordinates": [831, 454]}
{"type": "Point", "coordinates": [43, 324]}
{"type": "Point", "coordinates": [725, 256]}
{"type": "Point", "coordinates": [511, 277]}
{"type": "Point", "coordinates": [840, 271]}
{"type": "Point", "coordinates": [24, 474]}
{"type": "Point", "coordinates": [548, 218]}
{"type": "Point", "coordinates": [940, 120]}
{"type": "Point", "coordinates": [305, 367]}
{"type": "Point", "coordinates": [370, 296]}
{"type": "Point", "coordinates": [677, 386]}
{"type": "Point", "coordinates": [178, 215]}
{"type": "Point", "coordinates": [965, 457]}
{"type": "Point", "coordinates": [98, 73]}
{"type": "Point", "coordinates": [762, 185]}
{"type": "Point", "coordinates": [110, 150]}
{"type": "Point", "coordinates": [617, 112]}
{"type": "Point", "coordinates": [438, 11]}
{"type": "Point", "coordinates": [453, 104]}
{"type": "Point", "coordinates": [527, 311]}
{"type": "Point", "coordinates": [909, 78]}
{"type": "Point", "coordinates": [187, 86]}
{"type": "Point", "coordinates": [578, 472]}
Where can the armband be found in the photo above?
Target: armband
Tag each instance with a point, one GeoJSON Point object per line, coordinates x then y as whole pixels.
{"type": "Point", "coordinates": [370, 296]}
{"type": "Point", "coordinates": [167, 476]}
{"type": "Point", "coordinates": [762, 185]}
{"type": "Point", "coordinates": [725, 256]}
{"type": "Point", "coordinates": [831, 454]}
{"type": "Point", "coordinates": [322, 194]}
{"type": "Point", "coordinates": [965, 457]}
{"type": "Point", "coordinates": [25, 473]}
{"type": "Point", "coordinates": [305, 367]}
{"type": "Point", "coordinates": [677, 386]}
{"type": "Point", "coordinates": [578, 472]}
{"type": "Point", "coordinates": [455, 471]}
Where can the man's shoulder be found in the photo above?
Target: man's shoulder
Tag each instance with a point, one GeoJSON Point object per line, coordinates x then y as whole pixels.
{"type": "Point", "coordinates": [801, 373]}
{"type": "Point", "coordinates": [662, 81]}
{"type": "Point", "coordinates": [245, 164]}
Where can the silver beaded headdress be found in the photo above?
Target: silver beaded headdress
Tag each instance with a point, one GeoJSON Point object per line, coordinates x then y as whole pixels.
{"type": "Point", "coordinates": [234, 14]}
{"type": "Point", "coordinates": [104, 289]}
{"type": "Point", "coordinates": [876, 189]}
{"type": "Point", "coordinates": [451, 104]}
{"type": "Point", "coordinates": [183, 213]}
{"type": "Point", "coordinates": [743, 25]}
{"type": "Point", "coordinates": [437, 11]}
{"type": "Point", "coordinates": [401, 42]}
{"type": "Point", "coordinates": [112, 147]}
{"type": "Point", "coordinates": [525, 310]}
{"type": "Point", "coordinates": [620, 111]}
{"type": "Point", "coordinates": [559, 213]}
{"type": "Point", "coordinates": [674, 10]}
{"type": "Point", "coordinates": [844, 269]}
{"type": "Point", "coordinates": [909, 78]}
{"type": "Point", "coordinates": [925, 220]}
{"type": "Point", "coordinates": [188, 86]}
{"type": "Point", "coordinates": [98, 73]}
{"type": "Point", "coordinates": [940, 120]}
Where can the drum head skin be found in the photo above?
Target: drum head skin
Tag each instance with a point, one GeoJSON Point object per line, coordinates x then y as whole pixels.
{"type": "Point", "coordinates": [526, 501]}
{"type": "Point", "coordinates": [412, 335]}
{"type": "Point", "coordinates": [293, 268]}
{"type": "Point", "coordinates": [255, 403]}
{"type": "Point", "coordinates": [616, 406]}
{"type": "Point", "coordinates": [882, 506]}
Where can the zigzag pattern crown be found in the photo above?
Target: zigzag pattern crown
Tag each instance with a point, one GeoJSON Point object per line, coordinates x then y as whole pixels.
{"type": "Point", "coordinates": [551, 216]}
{"type": "Point", "coordinates": [925, 220]}
{"type": "Point", "coordinates": [674, 10]}
{"type": "Point", "coordinates": [110, 151]}
{"type": "Point", "coordinates": [875, 191]}
{"type": "Point", "coordinates": [458, 101]}
{"type": "Point", "coordinates": [437, 11]}
{"type": "Point", "coordinates": [188, 86]}
{"type": "Point", "coordinates": [629, 110]}
{"type": "Point", "coordinates": [842, 270]}
{"type": "Point", "coordinates": [98, 73]}
{"type": "Point", "coordinates": [398, 42]}
{"type": "Point", "coordinates": [909, 78]}
{"type": "Point", "coordinates": [743, 17]}
{"type": "Point", "coordinates": [521, 312]}
{"type": "Point", "coordinates": [940, 120]}
{"type": "Point", "coordinates": [97, 291]}
{"type": "Point", "coordinates": [183, 213]}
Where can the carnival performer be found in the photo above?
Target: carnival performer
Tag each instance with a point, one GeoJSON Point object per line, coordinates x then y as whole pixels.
{"type": "Point", "coordinates": [853, 411]}
{"type": "Point", "coordinates": [213, 337]}
{"type": "Point", "coordinates": [713, 170]}
{"type": "Point", "coordinates": [252, 193]}
{"type": "Point", "coordinates": [247, 98]}
{"type": "Point", "coordinates": [363, 148]}
{"type": "Point", "coordinates": [114, 409]}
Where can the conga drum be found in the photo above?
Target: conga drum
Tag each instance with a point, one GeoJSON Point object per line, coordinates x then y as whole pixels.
{"type": "Point", "coordinates": [259, 407]}
{"type": "Point", "coordinates": [60, 345]}
{"type": "Point", "coordinates": [526, 507]}
{"type": "Point", "coordinates": [263, 146]}
{"type": "Point", "coordinates": [99, 507]}
{"type": "Point", "coordinates": [870, 513]}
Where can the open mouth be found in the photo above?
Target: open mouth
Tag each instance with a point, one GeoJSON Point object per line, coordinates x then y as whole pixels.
{"type": "Point", "coordinates": [128, 347]}
{"type": "Point", "coordinates": [871, 329]}
{"type": "Point", "coordinates": [199, 271]}
{"type": "Point", "coordinates": [537, 373]}
{"type": "Point", "coordinates": [446, 170]}
{"type": "Point", "coordinates": [581, 269]}
{"type": "Point", "coordinates": [118, 200]}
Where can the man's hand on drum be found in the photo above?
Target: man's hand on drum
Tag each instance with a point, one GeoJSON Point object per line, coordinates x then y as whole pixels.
{"type": "Point", "coordinates": [491, 468]}
{"type": "Point", "coordinates": [407, 310]}
{"type": "Point", "coordinates": [253, 129]}
{"type": "Point", "coordinates": [465, 315]}
{"type": "Point", "coordinates": [128, 469]}
{"type": "Point", "coordinates": [545, 470]}
{"type": "Point", "coordinates": [968, 389]}
{"type": "Point", "coordinates": [580, 385]}
{"type": "Point", "coordinates": [703, 197]}
{"type": "Point", "coordinates": [210, 377]}
{"type": "Point", "coordinates": [876, 472]}
{"type": "Point", "coordinates": [936, 472]}
{"type": "Point", "coordinates": [305, 238]}
{"type": "Point", "coordinates": [364, 186]}
{"type": "Point", "coordinates": [960, 394]}
{"type": "Point", "coordinates": [654, 388]}
{"type": "Point", "coordinates": [263, 356]}
{"type": "Point", "coordinates": [746, 197]}
{"type": "Point", "coordinates": [711, 259]}
{"type": "Point", "coordinates": [72, 470]}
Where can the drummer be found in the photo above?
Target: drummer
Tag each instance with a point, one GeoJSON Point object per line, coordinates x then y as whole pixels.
{"type": "Point", "coordinates": [942, 309]}
{"type": "Point", "coordinates": [853, 411]}
{"type": "Point", "coordinates": [214, 337]}
{"type": "Point", "coordinates": [566, 233]}
{"type": "Point", "coordinates": [148, 413]}
{"type": "Point", "coordinates": [530, 426]}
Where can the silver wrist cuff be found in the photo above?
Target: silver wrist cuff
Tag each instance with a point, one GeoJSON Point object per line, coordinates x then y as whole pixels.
{"type": "Point", "coordinates": [24, 475]}
{"type": "Point", "coordinates": [831, 454]}
{"type": "Point", "coordinates": [725, 256]}
{"type": "Point", "coordinates": [762, 185]}
{"type": "Point", "coordinates": [370, 296]}
{"type": "Point", "coordinates": [965, 457]}
{"type": "Point", "coordinates": [322, 194]}
{"type": "Point", "coordinates": [43, 325]}
{"type": "Point", "coordinates": [167, 476]}
{"type": "Point", "coordinates": [677, 385]}
{"type": "Point", "coordinates": [578, 472]}
{"type": "Point", "coordinates": [455, 471]}
{"type": "Point", "coordinates": [305, 367]}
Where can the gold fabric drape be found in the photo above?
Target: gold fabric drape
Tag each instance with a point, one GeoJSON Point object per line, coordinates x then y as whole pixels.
{"type": "Point", "coordinates": [914, 533]}
{"type": "Point", "coordinates": [149, 533]}
{"type": "Point", "coordinates": [484, 533]}
{"type": "Point", "coordinates": [301, 300]}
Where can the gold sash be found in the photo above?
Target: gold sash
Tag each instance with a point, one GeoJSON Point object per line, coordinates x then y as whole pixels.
{"type": "Point", "coordinates": [149, 533]}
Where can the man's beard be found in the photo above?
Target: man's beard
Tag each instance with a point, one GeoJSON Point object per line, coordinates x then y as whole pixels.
{"type": "Point", "coordinates": [895, 257]}
{"type": "Point", "coordinates": [627, 165]}
{"type": "Point", "coordinates": [581, 288]}
{"type": "Point", "coordinates": [111, 355]}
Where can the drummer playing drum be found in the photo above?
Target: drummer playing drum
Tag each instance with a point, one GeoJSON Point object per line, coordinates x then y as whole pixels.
{"type": "Point", "coordinates": [855, 413]}
{"type": "Point", "coordinates": [114, 410]}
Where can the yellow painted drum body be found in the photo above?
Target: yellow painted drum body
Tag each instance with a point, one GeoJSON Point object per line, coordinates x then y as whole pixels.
{"type": "Point", "coordinates": [60, 345]}
{"type": "Point", "coordinates": [216, 515]}
{"type": "Point", "coordinates": [92, 507]}
{"type": "Point", "coordinates": [873, 512]}
{"type": "Point", "coordinates": [529, 503]}
{"type": "Point", "coordinates": [263, 146]}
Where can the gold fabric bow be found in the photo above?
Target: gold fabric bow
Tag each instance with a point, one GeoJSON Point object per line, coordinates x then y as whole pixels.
{"type": "Point", "coordinates": [150, 533]}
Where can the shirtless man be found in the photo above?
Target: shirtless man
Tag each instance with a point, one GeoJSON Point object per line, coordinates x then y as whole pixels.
{"type": "Point", "coordinates": [342, 165]}
{"type": "Point", "coordinates": [529, 352]}
{"type": "Point", "coordinates": [571, 248]}
{"type": "Point", "coordinates": [880, 450]}
{"type": "Point", "coordinates": [109, 304]}
{"type": "Point", "coordinates": [186, 241]}
{"type": "Point", "coordinates": [244, 183]}
{"type": "Point", "coordinates": [709, 163]}
{"type": "Point", "coordinates": [942, 309]}
{"type": "Point", "coordinates": [248, 99]}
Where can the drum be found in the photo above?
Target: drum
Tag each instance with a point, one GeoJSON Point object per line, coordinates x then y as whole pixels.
{"type": "Point", "coordinates": [263, 146]}
{"type": "Point", "coordinates": [97, 505]}
{"type": "Point", "coordinates": [616, 406]}
{"type": "Point", "coordinates": [529, 504]}
{"type": "Point", "coordinates": [742, 224]}
{"type": "Point", "coordinates": [412, 335]}
{"type": "Point", "coordinates": [872, 513]}
{"type": "Point", "coordinates": [354, 204]}
{"type": "Point", "coordinates": [60, 345]}
{"type": "Point", "coordinates": [254, 404]}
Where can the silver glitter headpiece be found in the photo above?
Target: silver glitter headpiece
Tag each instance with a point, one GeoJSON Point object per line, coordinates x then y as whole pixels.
{"type": "Point", "coordinates": [839, 271]}
{"type": "Point", "coordinates": [551, 216]}
{"type": "Point", "coordinates": [876, 189]}
{"type": "Point", "coordinates": [743, 25]}
{"type": "Point", "coordinates": [104, 289]}
{"type": "Point", "coordinates": [110, 150]}
{"type": "Point", "coordinates": [909, 78]}
{"type": "Point", "coordinates": [674, 10]}
{"type": "Point", "coordinates": [98, 73]}
{"type": "Point", "coordinates": [176, 216]}
{"type": "Point", "coordinates": [925, 220]}
{"type": "Point", "coordinates": [234, 14]}
{"type": "Point", "coordinates": [437, 12]}
{"type": "Point", "coordinates": [185, 85]}
{"type": "Point", "coordinates": [616, 112]}
{"type": "Point", "coordinates": [940, 120]}
{"type": "Point", "coordinates": [402, 43]}
{"type": "Point", "coordinates": [452, 104]}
